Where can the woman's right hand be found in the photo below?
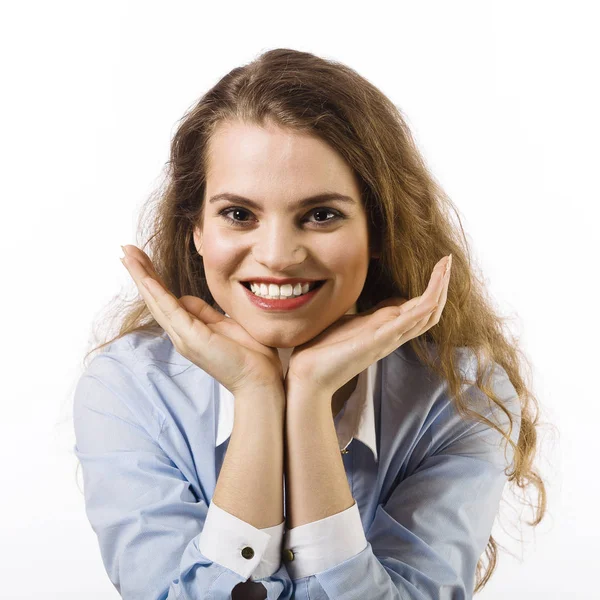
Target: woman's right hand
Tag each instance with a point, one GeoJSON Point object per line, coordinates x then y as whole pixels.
{"type": "Point", "coordinates": [217, 344]}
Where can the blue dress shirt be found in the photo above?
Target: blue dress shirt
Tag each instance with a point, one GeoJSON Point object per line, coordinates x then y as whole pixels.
{"type": "Point", "coordinates": [152, 430]}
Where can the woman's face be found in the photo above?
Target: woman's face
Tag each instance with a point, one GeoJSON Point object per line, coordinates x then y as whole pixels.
{"type": "Point", "coordinates": [278, 237]}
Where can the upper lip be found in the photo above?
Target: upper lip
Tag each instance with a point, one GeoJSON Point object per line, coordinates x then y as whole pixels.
{"type": "Point", "coordinates": [292, 281]}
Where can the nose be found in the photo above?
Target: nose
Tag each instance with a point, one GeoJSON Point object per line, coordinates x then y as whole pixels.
{"type": "Point", "coordinates": [278, 249]}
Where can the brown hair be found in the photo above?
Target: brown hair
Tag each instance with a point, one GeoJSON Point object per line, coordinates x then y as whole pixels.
{"type": "Point", "coordinates": [409, 217]}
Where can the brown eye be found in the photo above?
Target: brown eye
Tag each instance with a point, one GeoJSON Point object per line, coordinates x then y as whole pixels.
{"type": "Point", "coordinates": [325, 211]}
{"type": "Point", "coordinates": [236, 210]}
{"type": "Point", "coordinates": [224, 213]}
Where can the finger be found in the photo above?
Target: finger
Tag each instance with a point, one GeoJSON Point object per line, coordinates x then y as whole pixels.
{"type": "Point", "coordinates": [429, 301]}
{"type": "Point", "coordinates": [198, 307]}
{"type": "Point", "coordinates": [405, 305]}
{"type": "Point", "coordinates": [414, 314]}
{"type": "Point", "coordinates": [144, 260]}
{"type": "Point", "coordinates": [431, 318]}
{"type": "Point", "coordinates": [440, 289]}
{"type": "Point", "coordinates": [395, 301]}
{"type": "Point", "coordinates": [201, 309]}
{"type": "Point", "coordinates": [435, 316]}
{"type": "Point", "coordinates": [165, 308]}
{"type": "Point", "coordinates": [139, 273]}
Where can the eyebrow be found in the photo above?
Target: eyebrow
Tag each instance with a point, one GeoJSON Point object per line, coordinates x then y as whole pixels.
{"type": "Point", "coordinates": [310, 201]}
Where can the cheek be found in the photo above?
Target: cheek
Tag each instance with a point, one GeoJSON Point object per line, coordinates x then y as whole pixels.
{"type": "Point", "coordinates": [218, 251]}
{"type": "Point", "coordinates": [349, 261]}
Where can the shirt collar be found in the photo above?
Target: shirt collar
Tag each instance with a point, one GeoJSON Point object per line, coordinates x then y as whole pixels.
{"type": "Point", "coordinates": [357, 415]}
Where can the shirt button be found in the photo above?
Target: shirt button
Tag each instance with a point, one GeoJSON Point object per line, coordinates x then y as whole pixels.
{"type": "Point", "coordinates": [288, 554]}
{"type": "Point", "coordinates": [248, 553]}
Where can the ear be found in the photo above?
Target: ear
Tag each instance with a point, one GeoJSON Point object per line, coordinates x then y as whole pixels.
{"type": "Point", "coordinates": [198, 240]}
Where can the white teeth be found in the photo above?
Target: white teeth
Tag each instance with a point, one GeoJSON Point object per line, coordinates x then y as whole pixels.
{"type": "Point", "coordinates": [273, 291]}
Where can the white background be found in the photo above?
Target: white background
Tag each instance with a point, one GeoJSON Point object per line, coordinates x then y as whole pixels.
{"type": "Point", "coordinates": [502, 98]}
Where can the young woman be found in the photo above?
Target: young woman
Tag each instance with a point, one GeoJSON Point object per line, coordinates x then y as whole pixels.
{"type": "Point", "coordinates": [312, 397]}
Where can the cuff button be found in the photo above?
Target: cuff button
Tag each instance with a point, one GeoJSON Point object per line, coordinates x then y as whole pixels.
{"type": "Point", "coordinates": [248, 553]}
{"type": "Point", "coordinates": [288, 554]}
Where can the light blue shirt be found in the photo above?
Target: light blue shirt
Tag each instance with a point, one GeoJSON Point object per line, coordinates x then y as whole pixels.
{"type": "Point", "coordinates": [426, 482]}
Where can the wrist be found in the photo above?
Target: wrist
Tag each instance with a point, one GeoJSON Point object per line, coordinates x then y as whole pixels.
{"type": "Point", "coordinates": [307, 398]}
{"type": "Point", "coordinates": [270, 387]}
{"type": "Point", "coordinates": [269, 399]}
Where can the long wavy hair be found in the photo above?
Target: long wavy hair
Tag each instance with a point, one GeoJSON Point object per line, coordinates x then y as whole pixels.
{"type": "Point", "coordinates": [408, 214]}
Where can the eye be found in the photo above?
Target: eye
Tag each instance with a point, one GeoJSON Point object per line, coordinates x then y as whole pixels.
{"type": "Point", "coordinates": [336, 216]}
{"type": "Point", "coordinates": [243, 223]}
{"type": "Point", "coordinates": [224, 213]}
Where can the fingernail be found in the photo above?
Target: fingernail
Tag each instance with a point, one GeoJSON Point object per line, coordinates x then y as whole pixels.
{"type": "Point", "coordinates": [124, 251]}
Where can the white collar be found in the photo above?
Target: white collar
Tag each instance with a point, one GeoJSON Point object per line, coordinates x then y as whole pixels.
{"type": "Point", "coordinates": [359, 408]}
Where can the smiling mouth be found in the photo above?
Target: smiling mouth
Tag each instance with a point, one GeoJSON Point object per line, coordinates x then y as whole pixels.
{"type": "Point", "coordinates": [318, 284]}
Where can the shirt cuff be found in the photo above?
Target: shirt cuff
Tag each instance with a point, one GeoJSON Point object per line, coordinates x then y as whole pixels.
{"type": "Point", "coordinates": [271, 560]}
{"type": "Point", "coordinates": [239, 546]}
{"type": "Point", "coordinates": [324, 544]}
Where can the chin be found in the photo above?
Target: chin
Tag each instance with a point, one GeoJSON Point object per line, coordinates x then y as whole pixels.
{"type": "Point", "coordinates": [282, 338]}
{"type": "Point", "coordinates": [276, 339]}
{"type": "Point", "coordinates": [281, 341]}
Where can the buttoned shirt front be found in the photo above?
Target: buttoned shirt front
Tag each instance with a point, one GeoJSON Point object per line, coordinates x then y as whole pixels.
{"type": "Point", "coordinates": [152, 430]}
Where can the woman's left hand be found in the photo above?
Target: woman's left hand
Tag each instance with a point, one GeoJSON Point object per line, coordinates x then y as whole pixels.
{"type": "Point", "coordinates": [354, 342]}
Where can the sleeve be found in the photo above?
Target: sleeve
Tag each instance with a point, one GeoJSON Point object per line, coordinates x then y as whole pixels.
{"type": "Point", "coordinates": [325, 543]}
{"type": "Point", "coordinates": [147, 519]}
{"type": "Point", "coordinates": [426, 539]}
{"type": "Point", "coordinates": [223, 531]}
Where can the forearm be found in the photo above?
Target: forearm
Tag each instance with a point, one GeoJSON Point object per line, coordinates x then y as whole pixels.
{"type": "Point", "coordinates": [316, 482]}
{"type": "Point", "coordinates": [250, 484]}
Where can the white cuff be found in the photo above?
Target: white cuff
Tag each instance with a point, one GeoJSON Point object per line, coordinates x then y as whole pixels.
{"type": "Point", "coordinates": [224, 536]}
{"type": "Point", "coordinates": [271, 560]}
{"type": "Point", "coordinates": [324, 544]}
